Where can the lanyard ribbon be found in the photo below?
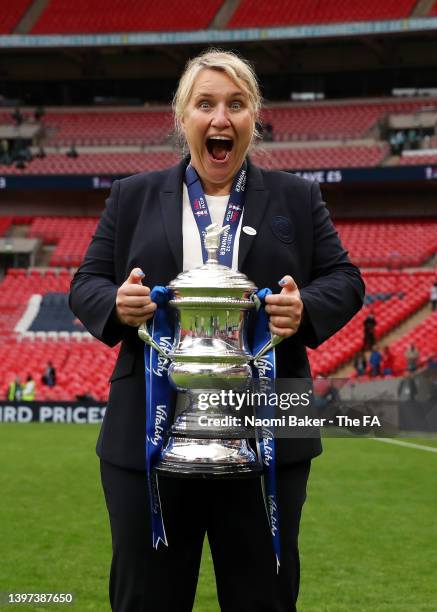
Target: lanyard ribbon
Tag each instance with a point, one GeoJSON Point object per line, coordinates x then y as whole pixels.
{"type": "Point", "coordinates": [201, 214]}
{"type": "Point", "coordinates": [160, 399]}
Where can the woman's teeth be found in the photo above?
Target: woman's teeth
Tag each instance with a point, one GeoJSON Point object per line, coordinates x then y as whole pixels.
{"type": "Point", "coordinates": [219, 147]}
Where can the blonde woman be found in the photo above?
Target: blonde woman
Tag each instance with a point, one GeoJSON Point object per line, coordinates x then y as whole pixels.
{"type": "Point", "coordinates": [284, 239]}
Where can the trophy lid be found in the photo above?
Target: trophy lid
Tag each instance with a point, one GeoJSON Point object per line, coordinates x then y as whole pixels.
{"type": "Point", "coordinates": [212, 274]}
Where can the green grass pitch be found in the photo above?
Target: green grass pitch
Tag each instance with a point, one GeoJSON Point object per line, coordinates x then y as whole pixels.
{"type": "Point", "coordinates": [368, 538]}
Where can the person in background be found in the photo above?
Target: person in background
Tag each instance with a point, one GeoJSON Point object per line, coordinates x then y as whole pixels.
{"type": "Point", "coordinates": [18, 117]}
{"type": "Point", "coordinates": [360, 363]}
{"type": "Point", "coordinates": [49, 376]}
{"type": "Point", "coordinates": [369, 330]}
{"type": "Point", "coordinates": [375, 361]}
{"type": "Point", "coordinates": [387, 362]}
{"type": "Point", "coordinates": [15, 390]}
{"type": "Point", "coordinates": [5, 157]}
{"type": "Point", "coordinates": [29, 389]}
{"type": "Point", "coordinates": [268, 132]}
{"type": "Point", "coordinates": [407, 390]}
{"type": "Point", "coordinates": [87, 396]}
{"type": "Point", "coordinates": [397, 142]}
{"type": "Point", "coordinates": [326, 396]}
{"type": "Point", "coordinates": [433, 296]}
{"type": "Point", "coordinates": [413, 139]}
{"type": "Point", "coordinates": [400, 140]}
{"type": "Point", "coordinates": [412, 357]}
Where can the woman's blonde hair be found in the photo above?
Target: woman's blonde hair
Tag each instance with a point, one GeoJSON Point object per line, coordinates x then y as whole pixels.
{"type": "Point", "coordinates": [238, 69]}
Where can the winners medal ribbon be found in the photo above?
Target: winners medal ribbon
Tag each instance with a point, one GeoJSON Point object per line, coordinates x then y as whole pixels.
{"type": "Point", "coordinates": [232, 216]}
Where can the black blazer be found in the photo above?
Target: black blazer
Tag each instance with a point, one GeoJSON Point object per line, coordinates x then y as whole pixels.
{"type": "Point", "coordinates": [142, 226]}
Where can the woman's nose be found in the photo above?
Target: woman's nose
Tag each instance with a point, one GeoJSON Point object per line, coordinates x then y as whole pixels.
{"type": "Point", "coordinates": [220, 116]}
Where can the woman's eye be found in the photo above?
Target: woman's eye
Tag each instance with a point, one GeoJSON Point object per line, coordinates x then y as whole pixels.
{"type": "Point", "coordinates": [204, 105]}
{"type": "Point", "coordinates": [236, 105]}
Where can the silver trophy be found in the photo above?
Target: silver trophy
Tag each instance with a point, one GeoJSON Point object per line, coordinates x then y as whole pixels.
{"type": "Point", "coordinates": [209, 354]}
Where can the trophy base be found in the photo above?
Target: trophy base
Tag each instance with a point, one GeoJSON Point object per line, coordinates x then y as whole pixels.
{"type": "Point", "coordinates": [216, 458]}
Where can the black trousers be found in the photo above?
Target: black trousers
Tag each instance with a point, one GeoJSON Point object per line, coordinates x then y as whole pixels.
{"type": "Point", "coordinates": [232, 513]}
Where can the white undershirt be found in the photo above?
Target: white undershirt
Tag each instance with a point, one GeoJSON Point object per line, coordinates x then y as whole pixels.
{"type": "Point", "coordinates": [190, 233]}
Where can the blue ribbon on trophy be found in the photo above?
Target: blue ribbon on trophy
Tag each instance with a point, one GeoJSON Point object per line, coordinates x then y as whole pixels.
{"type": "Point", "coordinates": [159, 404]}
{"type": "Point", "coordinates": [264, 371]}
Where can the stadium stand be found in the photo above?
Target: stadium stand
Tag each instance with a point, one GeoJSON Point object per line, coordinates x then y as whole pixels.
{"type": "Point", "coordinates": [19, 284]}
{"type": "Point", "coordinates": [81, 363]}
{"type": "Point", "coordinates": [84, 364]}
{"type": "Point", "coordinates": [11, 13]}
{"type": "Point", "coordinates": [290, 122]}
{"type": "Point", "coordinates": [393, 296]}
{"type": "Point", "coordinates": [424, 337]}
{"type": "Point", "coordinates": [418, 158]}
{"type": "Point", "coordinates": [256, 13]}
{"type": "Point", "coordinates": [80, 366]}
{"type": "Point", "coordinates": [5, 224]}
{"type": "Point", "coordinates": [132, 162]}
{"type": "Point", "coordinates": [82, 17]}
{"type": "Point", "coordinates": [321, 157]}
{"type": "Point", "coordinates": [394, 243]}
{"type": "Point", "coordinates": [108, 128]}
{"type": "Point", "coordinates": [391, 243]}
{"type": "Point", "coordinates": [325, 120]}
{"type": "Point", "coordinates": [98, 162]}
{"type": "Point", "coordinates": [17, 288]}
{"type": "Point", "coordinates": [300, 133]}
{"type": "Point", "coordinates": [70, 235]}
{"type": "Point", "coordinates": [54, 315]}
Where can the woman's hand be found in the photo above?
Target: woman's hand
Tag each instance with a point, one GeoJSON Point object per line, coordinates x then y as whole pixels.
{"type": "Point", "coordinates": [133, 304]}
{"type": "Point", "coordinates": [285, 309]}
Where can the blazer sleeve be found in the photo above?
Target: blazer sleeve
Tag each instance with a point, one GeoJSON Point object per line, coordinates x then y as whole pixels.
{"type": "Point", "coordinates": [93, 288]}
{"type": "Point", "coordinates": [336, 291]}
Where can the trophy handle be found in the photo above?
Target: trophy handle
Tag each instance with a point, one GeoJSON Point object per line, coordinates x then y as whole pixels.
{"type": "Point", "coordinates": [143, 333]}
{"type": "Point", "coordinates": [269, 345]}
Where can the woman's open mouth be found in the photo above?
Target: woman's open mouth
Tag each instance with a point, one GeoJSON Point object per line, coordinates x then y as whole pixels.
{"type": "Point", "coordinates": [219, 147]}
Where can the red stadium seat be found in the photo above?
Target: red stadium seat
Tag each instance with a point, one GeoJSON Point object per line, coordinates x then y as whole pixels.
{"type": "Point", "coordinates": [65, 17]}
{"type": "Point", "coordinates": [11, 13]}
{"type": "Point", "coordinates": [389, 242]}
{"type": "Point", "coordinates": [257, 13]}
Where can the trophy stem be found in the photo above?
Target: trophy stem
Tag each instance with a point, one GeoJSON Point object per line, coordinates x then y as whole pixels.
{"type": "Point", "coordinates": [201, 419]}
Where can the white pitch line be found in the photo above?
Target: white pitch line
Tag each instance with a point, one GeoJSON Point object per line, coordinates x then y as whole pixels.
{"type": "Point", "coordinates": [430, 449]}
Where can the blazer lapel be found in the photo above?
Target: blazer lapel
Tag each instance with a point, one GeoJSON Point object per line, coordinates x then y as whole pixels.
{"type": "Point", "coordinates": [255, 207]}
{"type": "Point", "coordinates": [171, 209]}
